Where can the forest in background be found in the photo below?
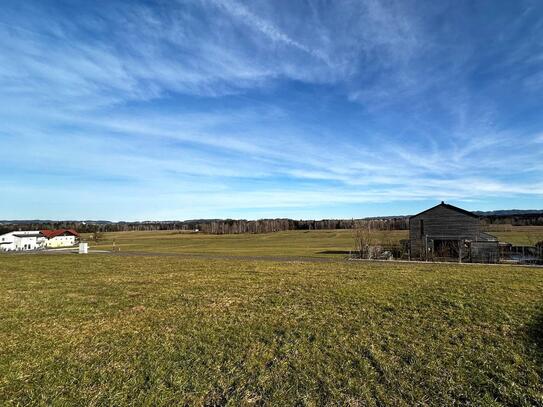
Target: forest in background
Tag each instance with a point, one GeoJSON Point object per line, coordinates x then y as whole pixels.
{"type": "Point", "coordinates": [229, 226]}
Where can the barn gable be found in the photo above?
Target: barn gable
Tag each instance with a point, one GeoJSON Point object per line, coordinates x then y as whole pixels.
{"type": "Point", "coordinates": [446, 206]}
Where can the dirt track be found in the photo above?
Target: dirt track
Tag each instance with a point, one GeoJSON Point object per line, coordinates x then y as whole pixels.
{"type": "Point", "coordinates": [229, 257]}
{"type": "Point", "coordinates": [186, 255]}
{"type": "Point", "coordinates": [304, 259]}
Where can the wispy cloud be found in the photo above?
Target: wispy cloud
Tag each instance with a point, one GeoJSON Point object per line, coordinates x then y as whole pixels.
{"type": "Point", "coordinates": [218, 106]}
{"type": "Point", "coordinates": [268, 29]}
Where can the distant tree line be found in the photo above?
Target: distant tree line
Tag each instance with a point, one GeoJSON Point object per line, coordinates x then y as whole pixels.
{"type": "Point", "coordinates": [215, 226]}
{"type": "Point", "coordinates": [530, 219]}
{"type": "Point", "coordinates": [234, 226]}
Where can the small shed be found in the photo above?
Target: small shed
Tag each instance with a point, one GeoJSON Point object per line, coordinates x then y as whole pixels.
{"type": "Point", "coordinates": [484, 252]}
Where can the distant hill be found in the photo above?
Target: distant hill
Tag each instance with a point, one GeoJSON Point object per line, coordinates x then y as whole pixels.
{"type": "Point", "coordinates": [516, 217]}
{"type": "Point", "coordinates": [510, 212]}
{"type": "Point", "coordinates": [500, 212]}
{"type": "Point", "coordinates": [45, 221]}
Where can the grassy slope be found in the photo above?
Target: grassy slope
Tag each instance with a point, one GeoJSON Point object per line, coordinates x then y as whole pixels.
{"type": "Point", "coordinates": [106, 330]}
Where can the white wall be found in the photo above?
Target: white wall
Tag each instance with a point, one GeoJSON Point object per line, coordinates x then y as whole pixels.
{"type": "Point", "coordinates": [10, 242]}
{"type": "Point", "coordinates": [7, 242]}
{"type": "Point", "coordinates": [61, 241]}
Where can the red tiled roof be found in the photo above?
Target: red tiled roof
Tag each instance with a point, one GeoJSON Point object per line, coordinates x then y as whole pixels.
{"type": "Point", "coordinates": [49, 234]}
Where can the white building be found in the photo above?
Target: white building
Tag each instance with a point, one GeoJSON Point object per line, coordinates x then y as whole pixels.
{"type": "Point", "coordinates": [22, 240]}
{"type": "Point", "coordinates": [34, 239]}
{"type": "Point", "coordinates": [60, 238]}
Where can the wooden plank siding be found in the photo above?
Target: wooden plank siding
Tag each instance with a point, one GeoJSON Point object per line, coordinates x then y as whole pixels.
{"type": "Point", "coordinates": [444, 222]}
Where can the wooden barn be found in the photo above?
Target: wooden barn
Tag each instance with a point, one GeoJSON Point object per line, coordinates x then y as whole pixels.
{"type": "Point", "coordinates": [446, 232]}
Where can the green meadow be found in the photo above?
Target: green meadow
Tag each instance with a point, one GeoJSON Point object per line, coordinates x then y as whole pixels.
{"type": "Point", "coordinates": [314, 243]}
{"type": "Point", "coordinates": [292, 243]}
{"type": "Point", "coordinates": [103, 329]}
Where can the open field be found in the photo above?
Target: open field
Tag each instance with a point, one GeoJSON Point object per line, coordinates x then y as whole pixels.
{"type": "Point", "coordinates": [517, 235]}
{"type": "Point", "coordinates": [315, 243]}
{"type": "Point", "coordinates": [110, 330]}
{"type": "Point", "coordinates": [326, 243]}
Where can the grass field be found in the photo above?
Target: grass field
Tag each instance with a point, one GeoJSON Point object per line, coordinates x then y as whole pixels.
{"type": "Point", "coordinates": [325, 243]}
{"type": "Point", "coordinates": [150, 330]}
{"type": "Point", "coordinates": [518, 235]}
{"type": "Point", "coordinates": [292, 243]}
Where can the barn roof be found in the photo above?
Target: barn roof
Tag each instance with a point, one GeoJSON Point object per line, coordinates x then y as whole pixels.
{"type": "Point", "coordinates": [451, 207]}
{"type": "Point", "coordinates": [49, 234]}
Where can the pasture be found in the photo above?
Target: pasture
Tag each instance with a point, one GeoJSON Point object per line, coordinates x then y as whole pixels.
{"type": "Point", "coordinates": [179, 330]}
{"type": "Point", "coordinates": [314, 243]}
{"type": "Point", "coordinates": [325, 243]}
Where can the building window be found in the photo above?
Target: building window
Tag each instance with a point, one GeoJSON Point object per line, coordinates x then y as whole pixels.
{"type": "Point", "coordinates": [421, 223]}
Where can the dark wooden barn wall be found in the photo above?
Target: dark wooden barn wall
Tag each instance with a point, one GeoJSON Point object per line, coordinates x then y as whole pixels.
{"type": "Point", "coordinates": [441, 222]}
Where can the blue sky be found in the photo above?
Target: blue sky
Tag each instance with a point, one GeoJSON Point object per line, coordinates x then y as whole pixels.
{"type": "Point", "coordinates": [303, 109]}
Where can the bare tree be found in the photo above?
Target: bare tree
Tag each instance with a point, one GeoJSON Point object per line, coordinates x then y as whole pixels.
{"type": "Point", "coordinates": [97, 236]}
{"type": "Point", "coordinates": [536, 240]}
{"type": "Point", "coordinates": [366, 241]}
